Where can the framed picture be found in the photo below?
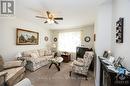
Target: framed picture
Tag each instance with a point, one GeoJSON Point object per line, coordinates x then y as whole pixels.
{"type": "Point", "coordinates": [26, 37]}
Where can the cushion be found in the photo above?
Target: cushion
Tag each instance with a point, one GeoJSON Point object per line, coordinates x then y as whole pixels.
{"type": "Point", "coordinates": [78, 63]}
{"type": "Point", "coordinates": [48, 52]}
{"type": "Point", "coordinates": [34, 55]}
{"type": "Point", "coordinates": [41, 52]}
{"type": "Point", "coordinates": [28, 53]}
{"type": "Point", "coordinates": [12, 64]}
{"type": "Point", "coordinates": [1, 63]}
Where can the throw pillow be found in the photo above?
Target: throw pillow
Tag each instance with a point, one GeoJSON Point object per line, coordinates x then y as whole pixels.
{"type": "Point", "coordinates": [41, 52]}
{"type": "Point", "coordinates": [1, 63]}
{"type": "Point", "coordinates": [34, 55]}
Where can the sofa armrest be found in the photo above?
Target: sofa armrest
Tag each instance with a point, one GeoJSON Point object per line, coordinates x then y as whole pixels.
{"type": "Point", "coordinates": [77, 63]}
{"type": "Point", "coordinates": [3, 74]}
{"type": "Point", "coordinates": [12, 64]}
{"type": "Point", "coordinates": [3, 78]}
{"type": "Point", "coordinates": [80, 59]}
{"type": "Point", "coordinates": [30, 59]}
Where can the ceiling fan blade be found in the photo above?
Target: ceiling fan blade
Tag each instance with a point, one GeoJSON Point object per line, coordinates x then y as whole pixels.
{"type": "Point", "coordinates": [48, 13]}
{"type": "Point", "coordinates": [45, 22]}
{"type": "Point", "coordinates": [58, 18]}
{"type": "Point", "coordinates": [56, 22]}
{"type": "Point", "coordinates": [41, 17]}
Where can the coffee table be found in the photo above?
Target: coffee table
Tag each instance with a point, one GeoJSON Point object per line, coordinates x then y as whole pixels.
{"type": "Point", "coordinates": [56, 61]}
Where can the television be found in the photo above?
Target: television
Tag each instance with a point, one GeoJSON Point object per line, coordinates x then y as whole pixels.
{"type": "Point", "coordinates": [80, 51]}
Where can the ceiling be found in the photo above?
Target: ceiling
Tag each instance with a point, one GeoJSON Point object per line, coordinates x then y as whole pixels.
{"type": "Point", "coordinates": [76, 13]}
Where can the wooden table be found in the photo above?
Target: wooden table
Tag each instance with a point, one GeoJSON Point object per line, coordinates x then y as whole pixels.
{"type": "Point", "coordinates": [66, 57]}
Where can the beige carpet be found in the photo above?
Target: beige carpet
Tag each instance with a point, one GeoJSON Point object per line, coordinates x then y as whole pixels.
{"type": "Point", "coordinates": [52, 77]}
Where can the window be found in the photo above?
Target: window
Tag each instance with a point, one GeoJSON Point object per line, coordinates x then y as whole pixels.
{"type": "Point", "coordinates": [68, 41]}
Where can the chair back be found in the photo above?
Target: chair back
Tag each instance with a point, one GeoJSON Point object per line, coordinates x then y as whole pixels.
{"type": "Point", "coordinates": [88, 56]}
{"type": "Point", "coordinates": [1, 63]}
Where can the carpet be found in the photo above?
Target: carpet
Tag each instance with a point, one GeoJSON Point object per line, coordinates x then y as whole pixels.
{"type": "Point", "coordinates": [53, 77]}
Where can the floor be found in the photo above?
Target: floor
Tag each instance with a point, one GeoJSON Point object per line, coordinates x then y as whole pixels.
{"type": "Point", "coordinates": [52, 77]}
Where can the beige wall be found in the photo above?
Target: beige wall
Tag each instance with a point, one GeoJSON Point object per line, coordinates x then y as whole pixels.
{"type": "Point", "coordinates": [121, 9]}
{"type": "Point", "coordinates": [8, 47]}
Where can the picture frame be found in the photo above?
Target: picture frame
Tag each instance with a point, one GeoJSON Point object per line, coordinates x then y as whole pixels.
{"type": "Point", "coordinates": [46, 38]}
{"type": "Point", "coordinates": [55, 39]}
{"type": "Point", "coordinates": [87, 39]}
{"type": "Point", "coordinates": [26, 37]}
{"type": "Point", "coordinates": [119, 30]}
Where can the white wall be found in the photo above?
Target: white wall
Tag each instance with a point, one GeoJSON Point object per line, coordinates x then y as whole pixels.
{"type": "Point", "coordinates": [121, 8]}
{"type": "Point", "coordinates": [8, 47]}
{"type": "Point", "coordinates": [103, 33]}
{"type": "Point", "coordinates": [85, 31]}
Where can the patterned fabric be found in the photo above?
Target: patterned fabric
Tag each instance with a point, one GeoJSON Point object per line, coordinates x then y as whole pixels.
{"type": "Point", "coordinates": [82, 66]}
{"type": "Point", "coordinates": [37, 58]}
{"type": "Point", "coordinates": [41, 52]}
{"type": "Point", "coordinates": [12, 64]}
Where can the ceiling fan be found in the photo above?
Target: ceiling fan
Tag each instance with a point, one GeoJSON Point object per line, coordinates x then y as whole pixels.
{"type": "Point", "coordinates": [50, 18]}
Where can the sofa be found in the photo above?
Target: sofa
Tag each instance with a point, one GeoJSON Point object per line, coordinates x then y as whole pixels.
{"type": "Point", "coordinates": [11, 72]}
{"type": "Point", "coordinates": [37, 58]}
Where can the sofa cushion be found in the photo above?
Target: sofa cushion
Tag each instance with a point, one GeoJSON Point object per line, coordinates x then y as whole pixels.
{"type": "Point", "coordinates": [34, 55]}
{"type": "Point", "coordinates": [28, 53]}
{"type": "Point", "coordinates": [1, 63]}
{"type": "Point", "coordinates": [12, 64]}
{"type": "Point", "coordinates": [48, 57]}
{"type": "Point", "coordinates": [41, 52]}
{"type": "Point", "coordinates": [78, 63]}
{"type": "Point", "coordinates": [48, 52]}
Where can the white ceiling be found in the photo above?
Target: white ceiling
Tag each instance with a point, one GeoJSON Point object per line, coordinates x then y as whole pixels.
{"type": "Point", "coordinates": [76, 13]}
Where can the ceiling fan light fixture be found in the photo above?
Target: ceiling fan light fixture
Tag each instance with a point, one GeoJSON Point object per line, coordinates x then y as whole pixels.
{"type": "Point", "coordinates": [50, 21]}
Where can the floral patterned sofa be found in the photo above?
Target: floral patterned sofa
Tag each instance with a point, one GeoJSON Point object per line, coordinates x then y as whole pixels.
{"type": "Point", "coordinates": [37, 58]}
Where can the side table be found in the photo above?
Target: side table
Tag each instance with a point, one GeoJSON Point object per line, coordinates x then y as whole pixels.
{"type": "Point", "coordinates": [66, 57]}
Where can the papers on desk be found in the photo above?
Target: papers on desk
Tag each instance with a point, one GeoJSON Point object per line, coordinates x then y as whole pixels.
{"type": "Point", "coordinates": [107, 62]}
{"type": "Point", "coordinates": [110, 67]}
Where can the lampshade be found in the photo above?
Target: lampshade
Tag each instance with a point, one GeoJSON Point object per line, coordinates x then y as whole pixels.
{"type": "Point", "coordinates": [50, 21]}
{"type": "Point", "coordinates": [18, 54]}
{"type": "Point", "coordinates": [53, 45]}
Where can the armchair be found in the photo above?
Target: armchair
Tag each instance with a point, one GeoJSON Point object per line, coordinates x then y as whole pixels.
{"type": "Point", "coordinates": [80, 65]}
{"type": "Point", "coordinates": [10, 72]}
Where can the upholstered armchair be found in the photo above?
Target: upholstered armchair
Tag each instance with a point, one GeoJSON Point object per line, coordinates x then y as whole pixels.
{"type": "Point", "coordinates": [80, 65]}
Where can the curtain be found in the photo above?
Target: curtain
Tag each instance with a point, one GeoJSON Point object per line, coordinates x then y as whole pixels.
{"type": "Point", "coordinates": [68, 41]}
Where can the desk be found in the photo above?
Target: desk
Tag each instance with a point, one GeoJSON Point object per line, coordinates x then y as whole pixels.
{"type": "Point", "coordinates": [110, 78]}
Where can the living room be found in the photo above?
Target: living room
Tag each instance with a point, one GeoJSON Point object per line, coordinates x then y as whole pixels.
{"type": "Point", "coordinates": [92, 23]}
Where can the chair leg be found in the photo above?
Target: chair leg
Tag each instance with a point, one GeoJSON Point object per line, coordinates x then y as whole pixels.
{"type": "Point", "coordinates": [86, 78]}
{"type": "Point", "coordinates": [70, 73]}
